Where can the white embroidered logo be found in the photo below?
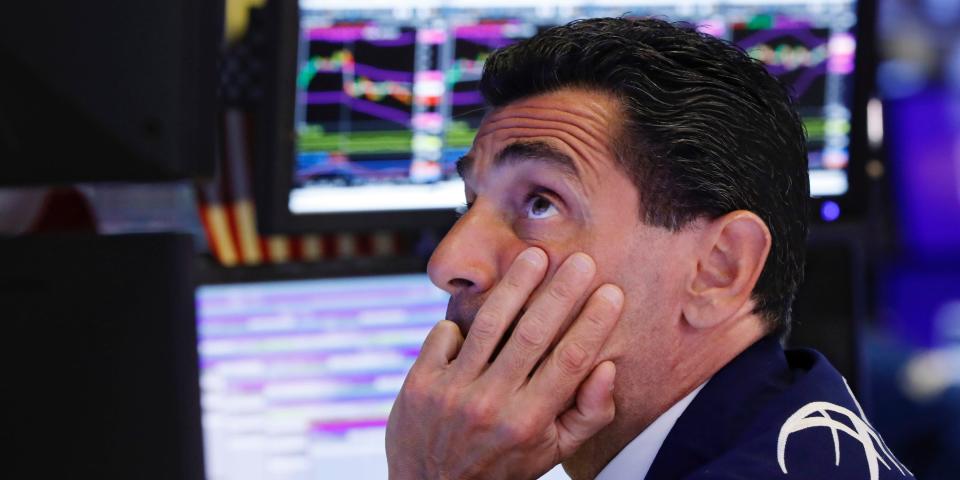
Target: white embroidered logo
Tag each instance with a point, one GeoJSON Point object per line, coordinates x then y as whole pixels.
{"type": "Point", "coordinates": [817, 414]}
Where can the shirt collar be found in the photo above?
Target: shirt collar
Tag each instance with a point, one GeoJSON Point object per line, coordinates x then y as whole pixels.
{"type": "Point", "coordinates": [635, 459]}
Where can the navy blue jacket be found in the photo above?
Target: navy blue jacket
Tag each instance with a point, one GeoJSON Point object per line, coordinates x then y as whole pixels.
{"type": "Point", "coordinates": [775, 414]}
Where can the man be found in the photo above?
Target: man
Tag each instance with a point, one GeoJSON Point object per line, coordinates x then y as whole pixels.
{"type": "Point", "coordinates": [633, 241]}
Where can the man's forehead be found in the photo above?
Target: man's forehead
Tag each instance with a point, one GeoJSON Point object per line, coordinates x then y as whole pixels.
{"type": "Point", "coordinates": [570, 100]}
{"type": "Point", "coordinates": [553, 127]}
{"type": "Point", "coordinates": [524, 150]}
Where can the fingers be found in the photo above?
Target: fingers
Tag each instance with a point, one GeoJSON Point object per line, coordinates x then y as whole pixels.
{"type": "Point", "coordinates": [441, 345]}
{"type": "Point", "coordinates": [538, 327]}
{"type": "Point", "coordinates": [574, 356]}
{"type": "Point", "coordinates": [499, 310]}
{"type": "Point", "coordinates": [594, 409]}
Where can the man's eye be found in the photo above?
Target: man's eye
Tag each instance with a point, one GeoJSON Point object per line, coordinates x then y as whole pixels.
{"type": "Point", "coordinates": [539, 207]}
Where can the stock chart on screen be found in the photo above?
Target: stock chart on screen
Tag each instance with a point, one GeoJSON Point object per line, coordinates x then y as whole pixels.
{"type": "Point", "coordinates": [298, 377]}
{"type": "Point", "coordinates": [388, 94]}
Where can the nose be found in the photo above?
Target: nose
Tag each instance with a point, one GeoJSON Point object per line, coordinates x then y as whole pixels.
{"type": "Point", "coordinates": [470, 258]}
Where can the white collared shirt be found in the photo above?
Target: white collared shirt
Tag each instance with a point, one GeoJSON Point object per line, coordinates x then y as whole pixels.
{"type": "Point", "coordinates": [634, 460]}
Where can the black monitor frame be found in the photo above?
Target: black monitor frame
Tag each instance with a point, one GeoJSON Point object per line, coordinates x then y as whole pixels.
{"type": "Point", "coordinates": [854, 204]}
{"type": "Point", "coordinates": [210, 272]}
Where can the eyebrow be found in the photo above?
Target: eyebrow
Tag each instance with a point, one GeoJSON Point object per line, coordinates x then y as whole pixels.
{"type": "Point", "coordinates": [524, 151]}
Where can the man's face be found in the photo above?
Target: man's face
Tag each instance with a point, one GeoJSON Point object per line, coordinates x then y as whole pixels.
{"type": "Point", "coordinates": [543, 172]}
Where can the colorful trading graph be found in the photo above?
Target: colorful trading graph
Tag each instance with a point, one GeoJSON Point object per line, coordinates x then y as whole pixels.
{"type": "Point", "coordinates": [798, 56]}
{"type": "Point", "coordinates": [804, 57]}
{"type": "Point", "coordinates": [338, 61]}
{"type": "Point", "coordinates": [391, 99]}
{"type": "Point", "coordinates": [356, 95]}
{"type": "Point", "coordinates": [357, 79]}
{"type": "Point", "coordinates": [472, 44]}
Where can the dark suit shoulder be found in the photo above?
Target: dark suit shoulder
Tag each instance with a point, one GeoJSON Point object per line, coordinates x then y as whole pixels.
{"type": "Point", "coordinates": [771, 413]}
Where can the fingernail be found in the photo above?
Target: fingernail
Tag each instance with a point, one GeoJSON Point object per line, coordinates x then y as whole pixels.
{"type": "Point", "coordinates": [581, 262]}
{"type": "Point", "coordinates": [534, 256]}
{"type": "Point", "coordinates": [612, 294]}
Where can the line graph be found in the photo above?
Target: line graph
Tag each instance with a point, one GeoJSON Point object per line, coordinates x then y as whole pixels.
{"type": "Point", "coordinates": [782, 58]}
{"type": "Point", "coordinates": [472, 47]}
{"type": "Point", "coordinates": [343, 61]}
{"type": "Point", "coordinates": [797, 56]}
{"type": "Point", "coordinates": [358, 77]}
{"type": "Point", "coordinates": [466, 69]}
{"type": "Point", "coordinates": [371, 108]}
{"type": "Point", "coordinates": [363, 87]}
{"type": "Point", "coordinates": [337, 62]}
{"type": "Point", "coordinates": [356, 92]}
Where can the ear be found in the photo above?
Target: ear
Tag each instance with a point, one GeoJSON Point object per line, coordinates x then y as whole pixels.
{"type": "Point", "coordinates": [733, 250]}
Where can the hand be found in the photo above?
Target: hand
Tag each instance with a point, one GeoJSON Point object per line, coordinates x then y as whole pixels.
{"type": "Point", "coordinates": [461, 416]}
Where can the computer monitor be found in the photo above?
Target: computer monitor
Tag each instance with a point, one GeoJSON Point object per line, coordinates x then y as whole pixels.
{"type": "Point", "coordinates": [99, 363]}
{"type": "Point", "coordinates": [298, 376]}
{"type": "Point", "coordinates": [113, 90]}
{"type": "Point", "coordinates": [377, 100]}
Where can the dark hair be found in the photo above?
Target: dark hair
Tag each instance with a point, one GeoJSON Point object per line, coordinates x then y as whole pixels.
{"type": "Point", "coordinates": [707, 130]}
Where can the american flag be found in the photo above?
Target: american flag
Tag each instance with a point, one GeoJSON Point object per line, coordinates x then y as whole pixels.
{"type": "Point", "coordinates": [227, 204]}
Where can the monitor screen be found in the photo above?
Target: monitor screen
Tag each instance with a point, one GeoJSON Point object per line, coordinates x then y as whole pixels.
{"type": "Point", "coordinates": [387, 92]}
{"type": "Point", "coordinates": [298, 377]}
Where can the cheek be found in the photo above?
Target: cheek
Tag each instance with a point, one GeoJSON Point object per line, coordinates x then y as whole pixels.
{"type": "Point", "coordinates": [558, 236]}
{"type": "Point", "coordinates": [557, 254]}
{"type": "Point", "coordinates": [652, 287]}
{"type": "Point", "coordinates": [557, 241]}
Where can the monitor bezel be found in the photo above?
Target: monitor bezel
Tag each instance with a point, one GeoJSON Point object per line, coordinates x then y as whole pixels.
{"type": "Point", "coordinates": [854, 205]}
{"type": "Point", "coordinates": [207, 271]}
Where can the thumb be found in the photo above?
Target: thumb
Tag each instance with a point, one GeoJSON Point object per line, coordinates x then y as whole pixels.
{"type": "Point", "coordinates": [593, 410]}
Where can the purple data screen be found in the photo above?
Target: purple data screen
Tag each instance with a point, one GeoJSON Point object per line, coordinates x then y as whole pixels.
{"type": "Point", "coordinates": [298, 377]}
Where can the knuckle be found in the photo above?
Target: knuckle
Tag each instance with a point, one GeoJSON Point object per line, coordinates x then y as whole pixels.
{"type": "Point", "coordinates": [517, 432]}
{"type": "Point", "coordinates": [485, 324]}
{"type": "Point", "coordinates": [529, 333]}
{"type": "Point", "coordinates": [599, 316]}
{"type": "Point", "coordinates": [478, 412]}
{"type": "Point", "coordinates": [561, 291]}
{"type": "Point", "coordinates": [572, 358]}
{"type": "Point", "coordinates": [513, 281]}
{"type": "Point", "coordinates": [446, 402]}
{"type": "Point", "coordinates": [413, 387]}
{"type": "Point", "coordinates": [418, 392]}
